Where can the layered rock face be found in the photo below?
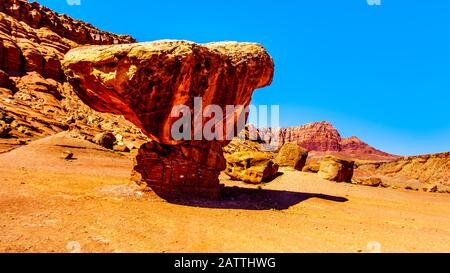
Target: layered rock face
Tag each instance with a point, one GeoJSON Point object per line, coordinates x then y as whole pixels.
{"type": "Point", "coordinates": [34, 38]}
{"type": "Point", "coordinates": [320, 136]}
{"type": "Point", "coordinates": [432, 170]}
{"type": "Point", "coordinates": [145, 81]}
{"type": "Point", "coordinates": [33, 92]}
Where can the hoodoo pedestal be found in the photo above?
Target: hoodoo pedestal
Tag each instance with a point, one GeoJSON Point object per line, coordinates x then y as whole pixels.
{"type": "Point", "coordinates": [180, 170]}
{"type": "Point", "coordinates": [144, 82]}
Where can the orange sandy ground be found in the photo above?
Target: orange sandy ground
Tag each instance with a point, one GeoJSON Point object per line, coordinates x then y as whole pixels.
{"type": "Point", "coordinates": [48, 204]}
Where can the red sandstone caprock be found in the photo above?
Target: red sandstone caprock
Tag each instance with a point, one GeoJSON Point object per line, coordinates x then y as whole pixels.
{"type": "Point", "coordinates": [144, 81]}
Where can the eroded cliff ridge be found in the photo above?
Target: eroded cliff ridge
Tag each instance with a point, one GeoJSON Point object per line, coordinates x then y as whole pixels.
{"type": "Point", "coordinates": [35, 100]}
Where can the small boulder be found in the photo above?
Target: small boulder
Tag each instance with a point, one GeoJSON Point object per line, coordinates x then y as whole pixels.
{"type": "Point", "coordinates": [292, 155]}
{"type": "Point", "coordinates": [336, 169]}
{"type": "Point", "coordinates": [368, 181]}
{"type": "Point", "coordinates": [67, 155]}
{"type": "Point", "coordinates": [251, 167]}
{"type": "Point", "coordinates": [106, 140]}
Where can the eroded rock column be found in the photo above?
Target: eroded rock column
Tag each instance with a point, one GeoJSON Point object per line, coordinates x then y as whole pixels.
{"type": "Point", "coordinates": [145, 81]}
{"type": "Point", "coordinates": [180, 170]}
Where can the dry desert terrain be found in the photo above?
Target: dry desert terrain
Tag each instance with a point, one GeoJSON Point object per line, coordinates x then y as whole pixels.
{"type": "Point", "coordinates": [48, 204]}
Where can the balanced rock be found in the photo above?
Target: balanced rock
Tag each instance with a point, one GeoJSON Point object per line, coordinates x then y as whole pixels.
{"type": "Point", "coordinates": [144, 82]}
{"type": "Point", "coordinates": [251, 167]}
{"type": "Point", "coordinates": [293, 156]}
{"type": "Point", "coordinates": [429, 170]}
{"type": "Point", "coordinates": [336, 169]}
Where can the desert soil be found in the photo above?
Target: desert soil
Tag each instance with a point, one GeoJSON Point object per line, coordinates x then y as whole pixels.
{"type": "Point", "coordinates": [86, 204]}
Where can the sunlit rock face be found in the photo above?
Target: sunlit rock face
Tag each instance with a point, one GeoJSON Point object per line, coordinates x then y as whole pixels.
{"type": "Point", "coordinates": [33, 91]}
{"type": "Point", "coordinates": [145, 81]}
{"type": "Point", "coordinates": [34, 38]}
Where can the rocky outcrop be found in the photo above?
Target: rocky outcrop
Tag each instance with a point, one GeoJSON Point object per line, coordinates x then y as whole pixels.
{"type": "Point", "coordinates": [251, 167]}
{"type": "Point", "coordinates": [428, 170]}
{"type": "Point", "coordinates": [33, 40]}
{"type": "Point", "coordinates": [293, 156]}
{"type": "Point", "coordinates": [145, 81]}
{"type": "Point", "coordinates": [336, 169]}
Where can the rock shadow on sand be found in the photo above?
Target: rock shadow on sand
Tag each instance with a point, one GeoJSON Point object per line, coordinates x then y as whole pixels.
{"type": "Point", "coordinates": [257, 199]}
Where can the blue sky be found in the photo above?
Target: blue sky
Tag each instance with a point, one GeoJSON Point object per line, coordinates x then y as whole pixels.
{"type": "Point", "coordinates": [381, 73]}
